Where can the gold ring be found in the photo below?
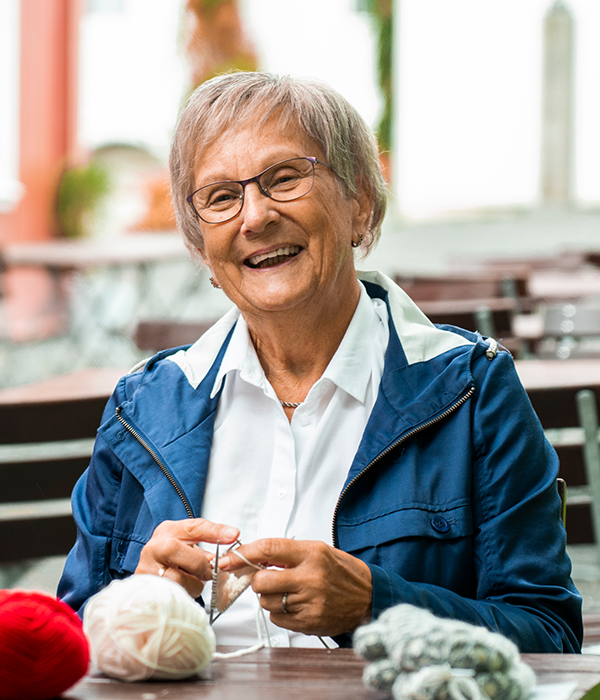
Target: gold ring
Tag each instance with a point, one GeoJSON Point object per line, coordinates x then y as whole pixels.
{"type": "Point", "coordinates": [284, 603]}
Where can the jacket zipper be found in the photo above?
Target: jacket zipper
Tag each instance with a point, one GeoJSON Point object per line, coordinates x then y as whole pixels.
{"type": "Point", "coordinates": [380, 456]}
{"type": "Point", "coordinates": [158, 460]}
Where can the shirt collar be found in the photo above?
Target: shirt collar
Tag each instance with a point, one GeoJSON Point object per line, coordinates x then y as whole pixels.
{"type": "Point", "coordinates": [241, 357]}
{"type": "Point", "coordinates": [350, 368]}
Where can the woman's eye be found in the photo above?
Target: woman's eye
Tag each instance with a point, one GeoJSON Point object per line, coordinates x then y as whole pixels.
{"type": "Point", "coordinates": [222, 198]}
{"type": "Point", "coordinates": [285, 178]}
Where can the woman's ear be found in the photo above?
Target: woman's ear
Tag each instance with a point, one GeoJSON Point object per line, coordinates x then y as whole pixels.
{"type": "Point", "coordinates": [363, 208]}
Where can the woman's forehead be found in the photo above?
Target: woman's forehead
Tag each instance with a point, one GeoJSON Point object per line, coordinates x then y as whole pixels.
{"type": "Point", "coordinates": [258, 145]}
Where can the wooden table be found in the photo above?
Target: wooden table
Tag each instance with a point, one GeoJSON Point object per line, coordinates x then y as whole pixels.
{"type": "Point", "coordinates": [96, 383]}
{"type": "Point", "coordinates": [305, 674]}
{"type": "Point", "coordinates": [64, 255]}
{"type": "Point", "coordinates": [104, 286]}
{"type": "Point", "coordinates": [543, 374]}
{"type": "Point", "coordinates": [552, 285]}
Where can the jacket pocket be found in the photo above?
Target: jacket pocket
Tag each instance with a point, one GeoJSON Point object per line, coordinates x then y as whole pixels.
{"type": "Point", "coordinates": [421, 544]}
{"type": "Point", "coordinates": [406, 522]}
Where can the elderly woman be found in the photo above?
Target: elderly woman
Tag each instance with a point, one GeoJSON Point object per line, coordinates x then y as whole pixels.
{"type": "Point", "coordinates": [363, 455]}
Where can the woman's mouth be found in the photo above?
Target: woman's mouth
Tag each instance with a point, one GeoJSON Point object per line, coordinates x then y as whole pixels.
{"type": "Point", "coordinates": [274, 257]}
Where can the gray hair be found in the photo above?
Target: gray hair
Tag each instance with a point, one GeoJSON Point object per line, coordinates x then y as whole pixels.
{"type": "Point", "coordinates": [221, 103]}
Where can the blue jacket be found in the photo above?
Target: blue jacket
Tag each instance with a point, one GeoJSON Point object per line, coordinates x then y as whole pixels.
{"type": "Point", "coordinates": [451, 498]}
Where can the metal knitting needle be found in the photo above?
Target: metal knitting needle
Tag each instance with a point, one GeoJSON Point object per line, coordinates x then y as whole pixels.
{"type": "Point", "coordinates": [213, 593]}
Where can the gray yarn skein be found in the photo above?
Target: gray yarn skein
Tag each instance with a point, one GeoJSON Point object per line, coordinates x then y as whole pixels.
{"type": "Point", "coordinates": [406, 639]}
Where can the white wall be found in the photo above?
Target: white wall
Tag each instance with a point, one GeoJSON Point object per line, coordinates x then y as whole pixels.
{"type": "Point", "coordinates": [326, 39]}
{"type": "Point", "coordinates": [467, 120]}
{"type": "Point", "coordinates": [10, 188]}
{"type": "Point", "coordinates": [133, 79]}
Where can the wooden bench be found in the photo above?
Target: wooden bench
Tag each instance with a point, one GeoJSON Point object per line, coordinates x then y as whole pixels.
{"type": "Point", "coordinates": [491, 317]}
{"type": "Point", "coordinates": [566, 397]}
{"type": "Point", "coordinates": [46, 438]}
{"type": "Point", "coordinates": [487, 303]}
{"type": "Point", "coordinates": [463, 286]}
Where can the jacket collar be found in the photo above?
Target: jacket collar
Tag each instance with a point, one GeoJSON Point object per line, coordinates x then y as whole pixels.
{"type": "Point", "coordinates": [426, 370]}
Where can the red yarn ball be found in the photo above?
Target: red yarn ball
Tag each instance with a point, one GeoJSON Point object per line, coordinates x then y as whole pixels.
{"type": "Point", "coordinates": [43, 650]}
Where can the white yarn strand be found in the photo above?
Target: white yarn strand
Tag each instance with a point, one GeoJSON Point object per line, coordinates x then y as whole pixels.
{"type": "Point", "coordinates": [147, 627]}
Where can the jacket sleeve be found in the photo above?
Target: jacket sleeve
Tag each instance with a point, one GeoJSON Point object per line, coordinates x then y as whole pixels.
{"type": "Point", "coordinates": [523, 584]}
{"type": "Point", "coordinates": [93, 502]}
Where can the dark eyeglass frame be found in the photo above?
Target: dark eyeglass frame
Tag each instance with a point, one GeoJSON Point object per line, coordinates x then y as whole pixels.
{"type": "Point", "coordinates": [256, 178]}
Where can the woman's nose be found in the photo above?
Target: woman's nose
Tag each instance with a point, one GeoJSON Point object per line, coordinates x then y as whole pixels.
{"type": "Point", "coordinates": [258, 210]}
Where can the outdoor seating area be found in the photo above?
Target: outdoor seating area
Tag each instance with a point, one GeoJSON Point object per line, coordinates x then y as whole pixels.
{"type": "Point", "coordinates": [383, 463]}
{"type": "Point", "coordinates": [495, 298]}
{"type": "Point", "coordinates": [546, 311]}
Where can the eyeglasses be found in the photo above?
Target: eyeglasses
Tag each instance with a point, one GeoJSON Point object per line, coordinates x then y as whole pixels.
{"type": "Point", "coordinates": [282, 182]}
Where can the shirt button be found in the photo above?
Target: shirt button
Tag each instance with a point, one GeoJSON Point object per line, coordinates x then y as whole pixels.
{"type": "Point", "coordinates": [275, 642]}
{"type": "Point", "coordinates": [440, 524]}
{"type": "Point", "coordinates": [281, 493]}
{"type": "Point", "coordinates": [303, 419]}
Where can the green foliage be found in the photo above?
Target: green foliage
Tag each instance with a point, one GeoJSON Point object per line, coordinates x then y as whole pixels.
{"type": "Point", "coordinates": [80, 192]}
{"type": "Point", "coordinates": [382, 12]}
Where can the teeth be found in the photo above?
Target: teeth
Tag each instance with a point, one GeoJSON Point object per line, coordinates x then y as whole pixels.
{"type": "Point", "coordinates": [288, 250]}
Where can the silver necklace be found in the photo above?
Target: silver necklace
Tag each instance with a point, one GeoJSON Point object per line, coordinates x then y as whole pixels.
{"type": "Point", "coordinates": [288, 404]}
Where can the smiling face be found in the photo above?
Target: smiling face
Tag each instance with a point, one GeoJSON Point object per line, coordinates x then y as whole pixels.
{"type": "Point", "coordinates": [281, 256]}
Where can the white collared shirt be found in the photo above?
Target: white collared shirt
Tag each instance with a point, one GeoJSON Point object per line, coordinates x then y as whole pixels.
{"type": "Point", "coordinates": [274, 478]}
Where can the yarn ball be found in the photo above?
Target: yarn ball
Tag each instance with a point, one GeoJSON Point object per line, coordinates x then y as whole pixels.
{"type": "Point", "coordinates": [43, 650]}
{"type": "Point", "coordinates": [419, 656]}
{"type": "Point", "coordinates": [146, 627]}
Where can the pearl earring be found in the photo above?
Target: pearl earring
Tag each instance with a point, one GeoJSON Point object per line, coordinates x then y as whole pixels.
{"type": "Point", "coordinates": [358, 242]}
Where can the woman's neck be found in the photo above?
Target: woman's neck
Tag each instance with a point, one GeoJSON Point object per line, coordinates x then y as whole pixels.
{"type": "Point", "coordinates": [295, 349]}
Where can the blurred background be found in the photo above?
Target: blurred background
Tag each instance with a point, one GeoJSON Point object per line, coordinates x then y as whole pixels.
{"type": "Point", "coordinates": [487, 117]}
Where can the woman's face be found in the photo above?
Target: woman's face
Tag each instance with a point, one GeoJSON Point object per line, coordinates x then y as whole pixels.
{"type": "Point", "coordinates": [313, 234]}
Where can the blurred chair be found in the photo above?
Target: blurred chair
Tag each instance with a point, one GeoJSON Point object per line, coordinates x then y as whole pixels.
{"type": "Point", "coordinates": [491, 317]}
{"type": "Point", "coordinates": [569, 330]}
{"type": "Point", "coordinates": [569, 416]}
{"type": "Point", "coordinates": [482, 302]}
{"type": "Point", "coordinates": [153, 336]}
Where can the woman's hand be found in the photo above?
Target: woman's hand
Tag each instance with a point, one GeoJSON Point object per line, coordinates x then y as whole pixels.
{"type": "Point", "coordinates": [328, 591]}
{"type": "Point", "coordinates": [171, 551]}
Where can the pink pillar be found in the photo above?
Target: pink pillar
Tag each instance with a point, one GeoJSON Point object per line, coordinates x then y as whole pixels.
{"type": "Point", "coordinates": [48, 132]}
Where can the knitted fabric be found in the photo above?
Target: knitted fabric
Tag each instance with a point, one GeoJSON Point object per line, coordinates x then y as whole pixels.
{"type": "Point", "coordinates": [419, 656]}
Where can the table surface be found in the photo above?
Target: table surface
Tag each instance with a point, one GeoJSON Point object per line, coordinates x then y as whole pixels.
{"type": "Point", "coordinates": [555, 285]}
{"type": "Point", "coordinates": [100, 382]}
{"type": "Point", "coordinates": [133, 249]}
{"type": "Point", "coordinates": [536, 374]}
{"type": "Point", "coordinates": [86, 383]}
{"type": "Point", "coordinates": [307, 674]}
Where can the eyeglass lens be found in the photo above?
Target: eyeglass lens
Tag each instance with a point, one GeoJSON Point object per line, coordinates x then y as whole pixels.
{"type": "Point", "coordinates": [282, 182]}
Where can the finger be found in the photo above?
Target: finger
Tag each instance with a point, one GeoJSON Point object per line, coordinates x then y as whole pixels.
{"type": "Point", "coordinates": [271, 551]}
{"type": "Point", "coordinates": [274, 603]}
{"type": "Point", "coordinates": [277, 581]}
{"type": "Point", "coordinates": [177, 554]}
{"type": "Point", "coordinates": [191, 584]}
{"type": "Point", "coordinates": [165, 552]}
{"type": "Point", "coordinates": [194, 530]}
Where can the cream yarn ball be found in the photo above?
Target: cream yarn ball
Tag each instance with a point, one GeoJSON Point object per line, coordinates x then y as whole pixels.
{"type": "Point", "coordinates": [146, 627]}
